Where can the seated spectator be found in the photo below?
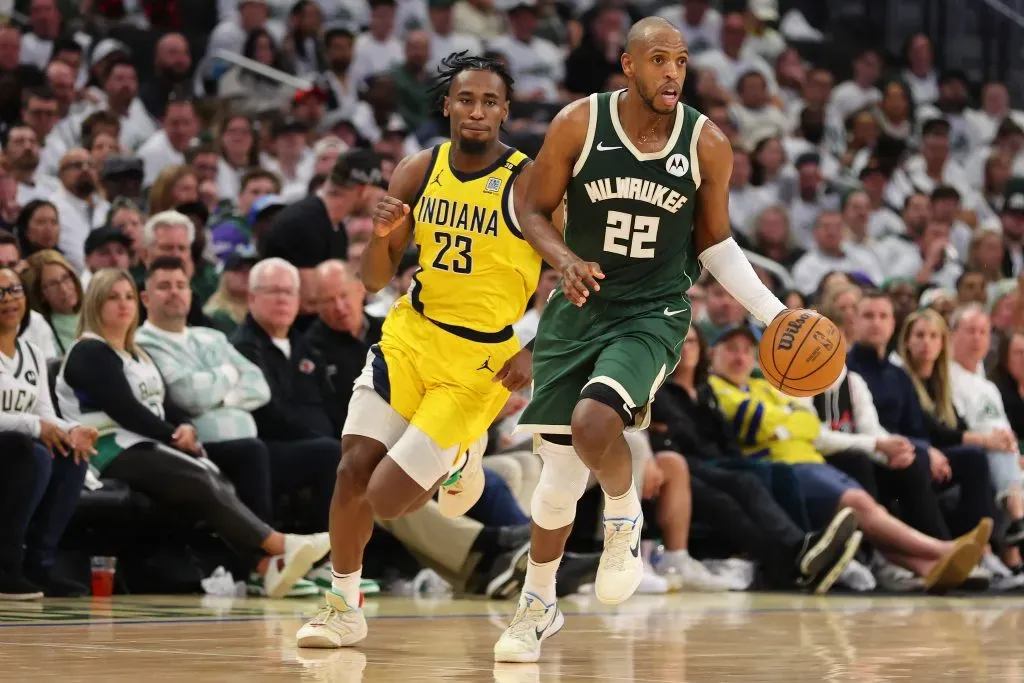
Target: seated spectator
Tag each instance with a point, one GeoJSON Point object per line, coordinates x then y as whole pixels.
{"type": "Point", "coordinates": [831, 252]}
{"type": "Point", "coordinates": [722, 312]}
{"type": "Point", "coordinates": [972, 287]}
{"type": "Point", "coordinates": [106, 247]}
{"type": "Point", "coordinates": [55, 292]}
{"type": "Point", "coordinates": [737, 504]}
{"type": "Point", "coordinates": [343, 333]}
{"type": "Point", "coordinates": [174, 185]}
{"type": "Point", "coordinates": [45, 461]}
{"type": "Point", "coordinates": [229, 305]}
{"type": "Point", "coordinates": [171, 233]}
{"type": "Point", "coordinates": [257, 93]}
{"type": "Point", "coordinates": [126, 217]}
{"type": "Point", "coordinates": [980, 404]}
{"type": "Point", "coordinates": [1008, 375]}
{"type": "Point", "coordinates": [79, 205]}
{"type": "Point", "coordinates": [38, 227]}
{"type": "Point", "coordinates": [773, 428]}
{"type": "Point", "coordinates": [109, 383]}
{"type": "Point", "coordinates": [233, 230]}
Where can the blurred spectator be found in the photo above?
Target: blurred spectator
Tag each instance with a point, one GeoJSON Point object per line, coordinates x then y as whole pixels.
{"type": "Point", "coordinates": [413, 81]}
{"type": "Point", "coordinates": [590, 65]}
{"type": "Point", "coordinates": [106, 247]}
{"type": "Point", "coordinates": [813, 196]}
{"type": "Point", "coordinates": [832, 252]}
{"type": "Point", "coordinates": [79, 205]}
{"type": "Point", "coordinates": [166, 148]}
{"type": "Point", "coordinates": [755, 113]}
{"type": "Point", "coordinates": [535, 63]}
{"type": "Point", "coordinates": [772, 238]}
{"type": "Point", "coordinates": [734, 57]}
{"type": "Point", "coordinates": [121, 87]}
{"type": "Point", "coordinates": [229, 305]}
{"type": "Point", "coordinates": [343, 333]}
{"type": "Point", "coordinates": [22, 150]}
{"type": "Point", "coordinates": [444, 39]}
{"type": "Point", "coordinates": [984, 122]}
{"type": "Point", "coordinates": [920, 73]}
{"type": "Point", "coordinates": [38, 227]}
{"type": "Point", "coordinates": [172, 64]}
{"type": "Point", "coordinates": [122, 177]}
{"type": "Point", "coordinates": [171, 233]}
{"type": "Point", "coordinates": [45, 461]}
{"type": "Point", "coordinates": [174, 186]}
{"type": "Point", "coordinates": [745, 201]}
{"type": "Point", "coordinates": [378, 50]}
{"type": "Point", "coordinates": [1012, 219]}
{"type": "Point", "coordinates": [55, 292]}
{"type": "Point", "coordinates": [698, 21]}
{"type": "Point", "coordinates": [895, 113]}
{"type": "Point", "coordinates": [293, 159]}
{"type": "Point", "coordinates": [233, 230]}
{"type": "Point", "coordinates": [860, 92]}
{"type": "Point", "coordinates": [972, 287]}
{"type": "Point", "coordinates": [108, 380]}
{"type": "Point", "coordinates": [928, 258]}
{"type": "Point", "coordinates": [479, 18]}
{"type": "Point", "coordinates": [1008, 376]}
{"type": "Point", "coordinates": [723, 311]}
{"type": "Point", "coordinates": [256, 93]}
{"type": "Point", "coordinates": [231, 33]}
{"type": "Point", "coordinates": [302, 41]}
{"type": "Point", "coordinates": [128, 219]}
{"type": "Point", "coordinates": [40, 112]}
{"type": "Point", "coordinates": [951, 106]}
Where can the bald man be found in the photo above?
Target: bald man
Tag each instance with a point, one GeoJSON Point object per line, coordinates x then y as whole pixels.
{"type": "Point", "coordinates": [79, 207]}
{"type": "Point", "coordinates": [343, 333]}
{"type": "Point", "coordinates": [646, 186]}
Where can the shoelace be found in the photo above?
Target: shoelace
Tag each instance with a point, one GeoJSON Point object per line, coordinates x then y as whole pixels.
{"type": "Point", "coordinates": [327, 613]}
{"type": "Point", "coordinates": [524, 624]}
{"type": "Point", "coordinates": [617, 543]}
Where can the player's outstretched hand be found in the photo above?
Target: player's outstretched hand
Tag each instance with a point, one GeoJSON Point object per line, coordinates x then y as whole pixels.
{"type": "Point", "coordinates": [579, 278]}
{"type": "Point", "coordinates": [388, 215]}
{"type": "Point", "coordinates": [517, 371]}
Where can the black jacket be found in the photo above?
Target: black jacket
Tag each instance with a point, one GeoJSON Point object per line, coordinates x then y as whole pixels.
{"type": "Point", "coordinates": [344, 357]}
{"type": "Point", "coordinates": [695, 428]}
{"type": "Point", "coordinates": [300, 395]}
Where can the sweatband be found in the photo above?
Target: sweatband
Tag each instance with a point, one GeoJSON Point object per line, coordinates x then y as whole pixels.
{"type": "Point", "coordinates": [733, 271]}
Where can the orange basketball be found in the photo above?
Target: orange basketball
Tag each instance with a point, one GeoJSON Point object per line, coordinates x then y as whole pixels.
{"type": "Point", "coordinates": [802, 353]}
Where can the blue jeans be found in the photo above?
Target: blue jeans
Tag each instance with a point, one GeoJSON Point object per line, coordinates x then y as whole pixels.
{"type": "Point", "coordinates": [497, 506]}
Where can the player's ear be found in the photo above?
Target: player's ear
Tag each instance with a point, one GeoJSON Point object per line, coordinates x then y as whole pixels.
{"type": "Point", "coordinates": [626, 60]}
{"type": "Point", "coordinates": [444, 107]}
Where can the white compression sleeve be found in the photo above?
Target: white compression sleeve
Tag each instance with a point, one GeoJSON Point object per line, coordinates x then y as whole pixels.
{"type": "Point", "coordinates": [731, 268]}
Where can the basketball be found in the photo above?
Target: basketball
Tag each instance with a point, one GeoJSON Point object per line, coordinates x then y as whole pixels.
{"type": "Point", "coordinates": [802, 353]}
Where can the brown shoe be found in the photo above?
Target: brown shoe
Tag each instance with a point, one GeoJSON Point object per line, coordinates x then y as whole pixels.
{"type": "Point", "coordinates": [980, 534]}
{"type": "Point", "coordinates": [953, 569]}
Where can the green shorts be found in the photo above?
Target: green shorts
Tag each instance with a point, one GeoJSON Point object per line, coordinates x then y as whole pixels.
{"type": "Point", "coordinates": [627, 349]}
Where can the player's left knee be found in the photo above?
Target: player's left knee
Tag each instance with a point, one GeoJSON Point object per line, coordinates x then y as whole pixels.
{"type": "Point", "coordinates": [595, 426]}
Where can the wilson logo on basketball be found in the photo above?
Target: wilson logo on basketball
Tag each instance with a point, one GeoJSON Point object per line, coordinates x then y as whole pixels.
{"type": "Point", "coordinates": [792, 329]}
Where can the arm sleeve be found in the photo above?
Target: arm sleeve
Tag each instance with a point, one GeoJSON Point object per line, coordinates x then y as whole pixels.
{"type": "Point", "coordinates": [94, 369]}
{"type": "Point", "coordinates": [273, 419]}
{"type": "Point", "coordinates": [730, 267]}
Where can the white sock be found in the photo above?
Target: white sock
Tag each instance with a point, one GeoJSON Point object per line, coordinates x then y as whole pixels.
{"type": "Point", "coordinates": [675, 557]}
{"type": "Point", "coordinates": [540, 579]}
{"type": "Point", "coordinates": [626, 506]}
{"type": "Point", "coordinates": [347, 586]}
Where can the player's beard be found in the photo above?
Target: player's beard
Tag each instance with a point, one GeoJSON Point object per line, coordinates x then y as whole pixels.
{"type": "Point", "coordinates": [650, 100]}
{"type": "Point", "coordinates": [473, 147]}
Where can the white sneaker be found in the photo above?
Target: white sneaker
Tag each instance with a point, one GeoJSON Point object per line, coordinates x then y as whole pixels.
{"type": "Point", "coordinates": [893, 578]}
{"type": "Point", "coordinates": [463, 488]}
{"type": "Point", "coordinates": [338, 624]}
{"type": "Point", "coordinates": [533, 623]}
{"type": "Point", "coordinates": [1003, 580]}
{"type": "Point", "coordinates": [301, 553]}
{"type": "Point", "coordinates": [687, 573]}
{"type": "Point", "coordinates": [857, 577]}
{"type": "Point", "coordinates": [621, 570]}
{"type": "Point", "coordinates": [651, 583]}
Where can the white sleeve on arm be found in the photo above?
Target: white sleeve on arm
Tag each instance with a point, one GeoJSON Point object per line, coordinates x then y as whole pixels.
{"type": "Point", "coordinates": [731, 268]}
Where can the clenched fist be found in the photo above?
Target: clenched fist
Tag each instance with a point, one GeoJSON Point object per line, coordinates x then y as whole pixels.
{"type": "Point", "coordinates": [389, 214]}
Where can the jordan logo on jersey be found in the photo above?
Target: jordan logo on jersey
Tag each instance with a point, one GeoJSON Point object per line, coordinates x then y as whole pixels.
{"type": "Point", "coordinates": [486, 365]}
{"type": "Point", "coordinates": [637, 189]}
{"type": "Point", "coordinates": [437, 178]}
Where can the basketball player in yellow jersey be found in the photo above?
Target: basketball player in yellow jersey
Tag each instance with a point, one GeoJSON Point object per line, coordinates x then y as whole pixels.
{"type": "Point", "coordinates": [448, 357]}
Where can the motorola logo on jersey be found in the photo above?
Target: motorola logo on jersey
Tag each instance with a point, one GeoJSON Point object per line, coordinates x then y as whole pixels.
{"type": "Point", "coordinates": [677, 165]}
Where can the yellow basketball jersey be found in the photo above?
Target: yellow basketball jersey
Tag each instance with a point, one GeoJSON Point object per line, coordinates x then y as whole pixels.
{"type": "Point", "coordinates": [477, 272]}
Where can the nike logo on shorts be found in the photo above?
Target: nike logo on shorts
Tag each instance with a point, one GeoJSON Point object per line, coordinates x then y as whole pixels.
{"type": "Point", "coordinates": [602, 148]}
{"type": "Point", "coordinates": [672, 313]}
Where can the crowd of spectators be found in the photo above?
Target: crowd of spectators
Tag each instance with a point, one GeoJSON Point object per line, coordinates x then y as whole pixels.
{"type": "Point", "coordinates": [185, 192]}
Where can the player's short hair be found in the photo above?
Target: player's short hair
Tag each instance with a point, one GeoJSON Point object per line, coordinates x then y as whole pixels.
{"type": "Point", "coordinates": [457, 62]}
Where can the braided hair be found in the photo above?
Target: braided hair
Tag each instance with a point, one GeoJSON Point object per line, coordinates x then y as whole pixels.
{"type": "Point", "coordinates": [456, 63]}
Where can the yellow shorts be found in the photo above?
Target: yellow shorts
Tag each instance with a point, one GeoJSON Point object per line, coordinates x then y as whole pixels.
{"type": "Point", "coordinates": [438, 381]}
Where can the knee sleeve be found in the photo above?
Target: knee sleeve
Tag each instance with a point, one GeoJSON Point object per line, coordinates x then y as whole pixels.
{"type": "Point", "coordinates": [563, 479]}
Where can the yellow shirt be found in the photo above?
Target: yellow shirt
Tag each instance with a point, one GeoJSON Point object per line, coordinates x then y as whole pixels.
{"type": "Point", "coordinates": [477, 272]}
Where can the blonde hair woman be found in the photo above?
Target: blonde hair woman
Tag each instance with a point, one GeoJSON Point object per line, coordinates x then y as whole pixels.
{"type": "Point", "coordinates": [924, 347]}
{"type": "Point", "coordinates": [109, 383]}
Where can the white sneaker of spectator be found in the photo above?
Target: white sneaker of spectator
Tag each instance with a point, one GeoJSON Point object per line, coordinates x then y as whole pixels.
{"type": "Point", "coordinates": [652, 583]}
{"type": "Point", "coordinates": [300, 554]}
{"type": "Point", "coordinates": [893, 578]}
{"type": "Point", "coordinates": [1003, 580]}
{"type": "Point", "coordinates": [737, 572]}
{"type": "Point", "coordinates": [683, 572]}
{"type": "Point", "coordinates": [857, 577]}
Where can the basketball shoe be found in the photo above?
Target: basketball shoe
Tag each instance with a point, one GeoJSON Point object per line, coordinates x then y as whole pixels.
{"type": "Point", "coordinates": [533, 623]}
{"type": "Point", "coordinates": [621, 569]}
{"type": "Point", "coordinates": [464, 487]}
{"type": "Point", "coordinates": [338, 624]}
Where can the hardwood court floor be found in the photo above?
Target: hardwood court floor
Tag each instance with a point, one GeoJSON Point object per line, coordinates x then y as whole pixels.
{"type": "Point", "coordinates": [684, 637]}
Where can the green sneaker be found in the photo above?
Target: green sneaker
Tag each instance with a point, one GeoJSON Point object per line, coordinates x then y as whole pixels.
{"type": "Point", "coordinates": [301, 589]}
{"type": "Point", "coordinates": [322, 577]}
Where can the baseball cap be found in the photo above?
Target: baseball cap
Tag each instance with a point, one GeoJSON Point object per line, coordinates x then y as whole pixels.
{"type": "Point", "coordinates": [264, 204]}
{"type": "Point", "coordinates": [287, 125]}
{"type": "Point", "coordinates": [732, 330]}
{"type": "Point", "coordinates": [935, 126]}
{"type": "Point", "coordinates": [303, 94]}
{"type": "Point", "coordinates": [441, 4]}
{"type": "Point", "coordinates": [357, 167]}
{"type": "Point", "coordinates": [1014, 196]}
{"type": "Point", "coordinates": [115, 167]}
{"type": "Point", "coordinates": [107, 47]}
{"type": "Point", "coordinates": [101, 237]}
{"type": "Point", "coordinates": [240, 259]}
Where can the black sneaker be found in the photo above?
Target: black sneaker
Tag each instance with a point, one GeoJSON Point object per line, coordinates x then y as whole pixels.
{"type": "Point", "coordinates": [821, 549]}
{"type": "Point", "coordinates": [576, 570]}
{"type": "Point", "coordinates": [56, 586]}
{"type": "Point", "coordinates": [14, 586]}
{"type": "Point", "coordinates": [508, 573]}
{"type": "Point", "coordinates": [1015, 532]}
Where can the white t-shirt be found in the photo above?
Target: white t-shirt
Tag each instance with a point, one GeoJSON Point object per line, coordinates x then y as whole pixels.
{"type": "Point", "coordinates": [284, 344]}
{"type": "Point", "coordinates": [535, 65]}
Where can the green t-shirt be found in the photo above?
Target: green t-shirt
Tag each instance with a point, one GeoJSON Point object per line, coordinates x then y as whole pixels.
{"type": "Point", "coordinates": [65, 325]}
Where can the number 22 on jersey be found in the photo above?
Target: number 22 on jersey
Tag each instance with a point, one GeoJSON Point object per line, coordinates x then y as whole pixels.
{"type": "Point", "coordinates": [629, 235]}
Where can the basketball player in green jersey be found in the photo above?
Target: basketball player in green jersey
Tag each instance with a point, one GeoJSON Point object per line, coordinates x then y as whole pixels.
{"type": "Point", "coordinates": [646, 185]}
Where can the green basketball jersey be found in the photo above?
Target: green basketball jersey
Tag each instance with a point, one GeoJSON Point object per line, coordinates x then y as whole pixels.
{"type": "Point", "coordinates": [632, 212]}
